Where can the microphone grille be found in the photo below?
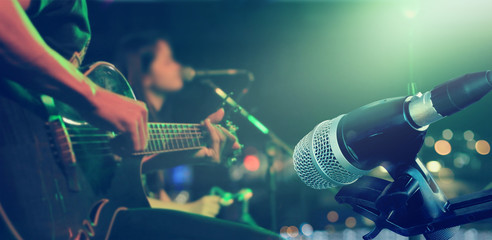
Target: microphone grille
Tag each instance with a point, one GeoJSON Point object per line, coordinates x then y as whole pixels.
{"type": "Point", "coordinates": [315, 162]}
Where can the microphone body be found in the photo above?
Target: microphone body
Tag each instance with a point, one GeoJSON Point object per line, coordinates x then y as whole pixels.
{"type": "Point", "coordinates": [189, 73]}
{"type": "Point", "coordinates": [388, 132]}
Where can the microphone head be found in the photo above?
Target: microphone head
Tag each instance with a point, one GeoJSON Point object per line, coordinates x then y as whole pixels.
{"type": "Point", "coordinates": [318, 160]}
{"type": "Point", "coordinates": [187, 73]}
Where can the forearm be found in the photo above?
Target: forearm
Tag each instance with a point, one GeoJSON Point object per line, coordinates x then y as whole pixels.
{"type": "Point", "coordinates": [155, 203]}
{"type": "Point", "coordinates": [33, 64]}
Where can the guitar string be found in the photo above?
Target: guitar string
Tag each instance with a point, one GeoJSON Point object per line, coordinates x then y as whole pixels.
{"type": "Point", "coordinates": [152, 135]}
{"type": "Point", "coordinates": [157, 127]}
{"type": "Point", "coordinates": [154, 131]}
{"type": "Point", "coordinates": [160, 139]}
{"type": "Point", "coordinates": [160, 136]}
{"type": "Point", "coordinates": [74, 134]}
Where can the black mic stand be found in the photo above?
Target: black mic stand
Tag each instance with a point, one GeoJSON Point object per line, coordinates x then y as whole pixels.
{"type": "Point", "coordinates": [413, 204]}
{"type": "Point", "coordinates": [228, 101]}
{"type": "Point", "coordinates": [408, 206]}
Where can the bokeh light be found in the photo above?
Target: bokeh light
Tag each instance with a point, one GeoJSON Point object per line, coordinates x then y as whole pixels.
{"type": "Point", "coordinates": [350, 222]}
{"type": "Point", "coordinates": [482, 147]}
{"type": "Point", "coordinates": [429, 141]}
{"type": "Point", "coordinates": [307, 229]}
{"type": "Point", "coordinates": [442, 147]}
{"type": "Point", "coordinates": [283, 232]}
{"type": "Point", "coordinates": [468, 135]}
{"type": "Point", "coordinates": [434, 166]}
{"type": "Point", "coordinates": [447, 134]}
{"type": "Point", "coordinates": [292, 231]}
{"type": "Point", "coordinates": [332, 216]}
{"type": "Point", "coordinates": [251, 163]}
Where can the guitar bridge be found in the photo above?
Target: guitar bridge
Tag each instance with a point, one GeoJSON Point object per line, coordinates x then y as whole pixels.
{"type": "Point", "coordinates": [63, 152]}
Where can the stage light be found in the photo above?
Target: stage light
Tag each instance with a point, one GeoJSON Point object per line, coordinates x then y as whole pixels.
{"type": "Point", "coordinates": [181, 175]}
{"type": "Point", "coordinates": [447, 134]}
{"type": "Point", "coordinates": [332, 216]}
{"type": "Point", "coordinates": [442, 147]}
{"type": "Point", "coordinates": [429, 141]}
{"type": "Point", "coordinates": [251, 163]}
{"type": "Point", "coordinates": [307, 229]}
{"type": "Point", "coordinates": [410, 14]}
{"type": "Point", "coordinates": [482, 147]}
{"type": "Point", "coordinates": [350, 222]}
{"type": "Point", "coordinates": [410, 8]}
{"type": "Point", "coordinates": [434, 166]}
{"type": "Point", "coordinates": [468, 135]}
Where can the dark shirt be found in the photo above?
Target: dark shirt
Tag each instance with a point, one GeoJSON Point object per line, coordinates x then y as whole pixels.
{"type": "Point", "coordinates": [63, 24]}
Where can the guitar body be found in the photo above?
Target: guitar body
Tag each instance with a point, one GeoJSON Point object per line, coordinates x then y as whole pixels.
{"type": "Point", "coordinates": [58, 176]}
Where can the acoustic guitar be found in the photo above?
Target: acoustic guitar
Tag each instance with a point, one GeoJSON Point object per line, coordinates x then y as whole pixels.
{"type": "Point", "coordinates": [60, 177]}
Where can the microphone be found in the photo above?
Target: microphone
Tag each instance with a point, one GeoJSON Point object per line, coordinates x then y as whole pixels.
{"type": "Point", "coordinates": [188, 73]}
{"type": "Point", "coordinates": [389, 132]}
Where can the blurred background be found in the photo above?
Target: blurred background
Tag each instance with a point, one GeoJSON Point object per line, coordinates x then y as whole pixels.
{"type": "Point", "coordinates": [312, 61]}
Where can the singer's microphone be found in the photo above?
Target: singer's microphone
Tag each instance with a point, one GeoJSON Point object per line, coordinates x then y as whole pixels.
{"type": "Point", "coordinates": [188, 73]}
{"type": "Point", "coordinates": [388, 132]}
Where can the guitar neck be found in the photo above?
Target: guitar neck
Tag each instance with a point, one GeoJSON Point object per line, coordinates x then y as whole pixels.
{"type": "Point", "coordinates": [169, 137]}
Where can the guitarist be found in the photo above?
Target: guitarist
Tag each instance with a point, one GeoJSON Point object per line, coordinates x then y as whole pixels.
{"type": "Point", "coordinates": [147, 60]}
{"type": "Point", "coordinates": [42, 42]}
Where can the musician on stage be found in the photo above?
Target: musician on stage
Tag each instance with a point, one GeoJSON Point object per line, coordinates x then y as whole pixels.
{"type": "Point", "coordinates": [147, 60]}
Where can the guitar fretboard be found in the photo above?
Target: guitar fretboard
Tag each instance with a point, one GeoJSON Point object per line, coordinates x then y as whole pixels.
{"type": "Point", "coordinates": [167, 137]}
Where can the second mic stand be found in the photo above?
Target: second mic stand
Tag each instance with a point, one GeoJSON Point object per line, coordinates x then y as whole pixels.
{"type": "Point", "coordinates": [227, 100]}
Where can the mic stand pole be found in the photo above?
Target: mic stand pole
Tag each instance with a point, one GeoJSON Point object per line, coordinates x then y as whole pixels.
{"type": "Point", "coordinates": [271, 151]}
{"type": "Point", "coordinates": [274, 139]}
{"type": "Point", "coordinates": [237, 108]}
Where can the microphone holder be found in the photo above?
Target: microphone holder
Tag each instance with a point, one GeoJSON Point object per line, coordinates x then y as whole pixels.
{"type": "Point", "coordinates": [413, 204]}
